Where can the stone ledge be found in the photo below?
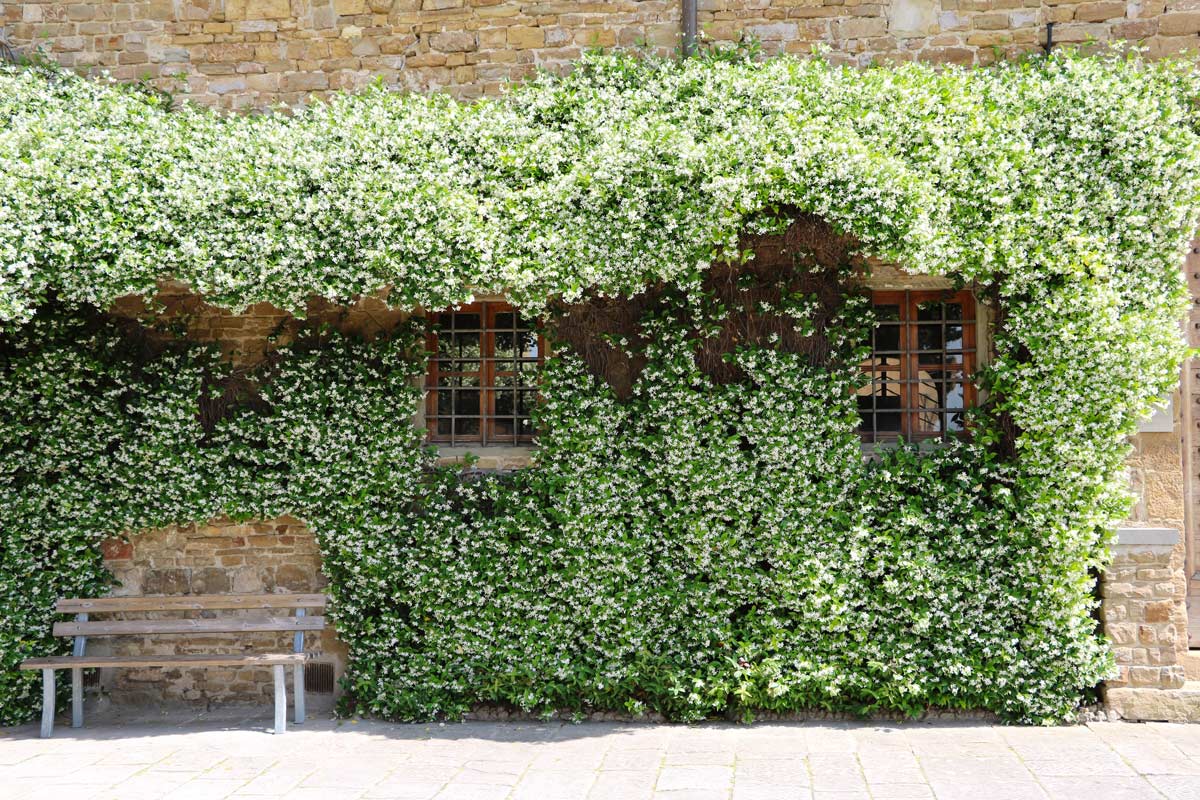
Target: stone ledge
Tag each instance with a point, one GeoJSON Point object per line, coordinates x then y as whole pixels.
{"type": "Point", "coordinates": [1147, 537]}
{"type": "Point", "coordinates": [1155, 705]}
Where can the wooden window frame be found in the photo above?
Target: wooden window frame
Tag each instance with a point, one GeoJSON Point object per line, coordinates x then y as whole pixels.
{"type": "Point", "coordinates": [910, 365]}
{"type": "Point", "coordinates": [488, 375]}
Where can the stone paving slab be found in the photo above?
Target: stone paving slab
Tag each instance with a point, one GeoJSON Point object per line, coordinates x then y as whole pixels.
{"type": "Point", "coordinates": [231, 754]}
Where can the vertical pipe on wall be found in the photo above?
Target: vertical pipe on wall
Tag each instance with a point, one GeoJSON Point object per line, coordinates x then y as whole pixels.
{"type": "Point", "coordinates": [689, 28]}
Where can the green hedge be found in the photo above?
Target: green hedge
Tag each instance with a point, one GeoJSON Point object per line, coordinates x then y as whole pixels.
{"type": "Point", "coordinates": [698, 547]}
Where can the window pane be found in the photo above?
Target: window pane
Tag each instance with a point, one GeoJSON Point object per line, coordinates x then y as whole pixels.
{"type": "Point", "coordinates": [929, 395]}
{"type": "Point", "coordinates": [954, 337]}
{"type": "Point", "coordinates": [887, 422]}
{"type": "Point", "coordinates": [885, 313]}
{"type": "Point", "coordinates": [929, 337]}
{"type": "Point", "coordinates": [465, 321]}
{"type": "Point", "coordinates": [445, 427]}
{"type": "Point", "coordinates": [929, 422]}
{"type": "Point", "coordinates": [928, 311]}
{"type": "Point", "coordinates": [466, 427]}
{"type": "Point", "coordinates": [954, 396]}
{"type": "Point", "coordinates": [505, 404]}
{"type": "Point", "coordinates": [506, 344]}
{"type": "Point", "coordinates": [954, 311]}
{"type": "Point", "coordinates": [887, 338]}
{"type": "Point", "coordinates": [466, 402]}
{"type": "Point", "coordinates": [525, 403]}
{"type": "Point", "coordinates": [504, 320]}
{"type": "Point", "coordinates": [467, 345]}
{"type": "Point", "coordinates": [528, 344]}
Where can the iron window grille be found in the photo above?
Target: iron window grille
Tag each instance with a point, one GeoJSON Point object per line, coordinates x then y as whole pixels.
{"type": "Point", "coordinates": [923, 353]}
{"type": "Point", "coordinates": [481, 385]}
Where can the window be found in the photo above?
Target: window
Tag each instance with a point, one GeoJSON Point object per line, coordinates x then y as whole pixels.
{"type": "Point", "coordinates": [922, 356]}
{"type": "Point", "coordinates": [482, 377]}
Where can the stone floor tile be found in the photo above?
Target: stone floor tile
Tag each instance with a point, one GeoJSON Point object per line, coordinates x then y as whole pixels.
{"type": "Point", "coordinates": [478, 777]}
{"type": "Point", "coordinates": [1176, 787]}
{"type": "Point", "coordinates": [988, 790]}
{"type": "Point", "coordinates": [245, 767]}
{"type": "Point", "coordinates": [278, 779]}
{"type": "Point", "coordinates": [47, 765]}
{"type": "Point", "coordinates": [201, 789]}
{"type": "Point", "coordinates": [994, 769]}
{"type": "Point", "coordinates": [623, 785]}
{"type": "Point", "coordinates": [1104, 788]}
{"type": "Point", "coordinates": [702, 758]}
{"type": "Point", "coordinates": [153, 784]}
{"type": "Point", "coordinates": [901, 791]}
{"type": "Point", "coordinates": [824, 739]}
{"type": "Point", "coordinates": [694, 779]}
{"type": "Point", "coordinates": [406, 790]}
{"type": "Point", "coordinates": [775, 770]}
{"type": "Point", "coordinates": [693, 794]}
{"type": "Point", "coordinates": [554, 785]}
{"type": "Point", "coordinates": [65, 791]}
{"type": "Point", "coordinates": [771, 791]}
{"type": "Point", "coordinates": [471, 791]}
{"type": "Point", "coordinates": [1107, 764]}
{"type": "Point", "coordinates": [324, 793]}
{"type": "Point", "coordinates": [632, 759]}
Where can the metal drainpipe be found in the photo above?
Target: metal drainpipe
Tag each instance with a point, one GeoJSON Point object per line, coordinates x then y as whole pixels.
{"type": "Point", "coordinates": [689, 28]}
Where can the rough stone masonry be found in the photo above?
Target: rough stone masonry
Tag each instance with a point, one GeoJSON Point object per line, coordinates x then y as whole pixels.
{"type": "Point", "coordinates": [243, 53]}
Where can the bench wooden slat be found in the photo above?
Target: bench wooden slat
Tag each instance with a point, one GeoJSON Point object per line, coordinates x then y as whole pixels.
{"type": "Point", "coordinates": [214, 660]}
{"type": "Point", "coordinates": [199, 602]}
{"type": "Point", "coordinates": [126, 627]}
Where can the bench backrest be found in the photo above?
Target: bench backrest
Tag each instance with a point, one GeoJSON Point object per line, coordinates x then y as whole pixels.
{"type": "Point", "coordinates": [82, 626]}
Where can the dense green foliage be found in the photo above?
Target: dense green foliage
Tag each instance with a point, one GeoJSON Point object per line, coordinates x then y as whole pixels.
{"type": "Point", "coordinates": [696, 547]}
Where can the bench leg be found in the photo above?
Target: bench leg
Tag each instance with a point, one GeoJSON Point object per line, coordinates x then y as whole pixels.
{"type": "Point", "coordinates": [280, 700]}
{"type": "Point", "coordinates": [298, 691]}
{"type": "Point", "coordinates": [47, 703]}
{"type": "Point", "coordinates": [76, 697]}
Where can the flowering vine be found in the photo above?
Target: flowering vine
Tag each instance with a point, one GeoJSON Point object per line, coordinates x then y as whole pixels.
{"type": "Point", "coordinates": [696, 547]}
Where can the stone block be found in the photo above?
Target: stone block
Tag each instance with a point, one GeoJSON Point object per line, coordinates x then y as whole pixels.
{"type": "Point", "coordinates": [525, 37]}
{"type": "Point", "coordinates": [453, 41]}
{"type": "Point", "coordinates": [258, 9]}
{"type": "Point", "coordinates": [1157, 705]}
{"type": "Point", "coordinates": [349, 7]}
{"type": "Point", "coordinates": [913, 17]}
{"type": "Point", "coordinates": [1179, 24]}
{"type": "Point", "coordinates": [1101, 11]}
{"type": "Point", "coordinates": [305, 82]}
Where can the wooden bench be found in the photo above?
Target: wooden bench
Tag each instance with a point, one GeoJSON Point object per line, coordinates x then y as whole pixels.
{"type": "Point", "coordinates": [83, 627]}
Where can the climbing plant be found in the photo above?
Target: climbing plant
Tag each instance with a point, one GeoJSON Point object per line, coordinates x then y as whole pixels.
{"type": "Point", "coordinates": [703, 536]}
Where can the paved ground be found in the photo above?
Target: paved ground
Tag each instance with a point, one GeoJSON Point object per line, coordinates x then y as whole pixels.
{"type": "Point", "coordinates": [232, 756]}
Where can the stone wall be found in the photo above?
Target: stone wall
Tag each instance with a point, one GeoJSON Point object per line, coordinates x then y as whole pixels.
{"type": "Point", "coordinates": [220, 557]}
{"type": "Point", "coordinates": [241, 53]}
{"type": "Point", "coordinates": [1145, 616]}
